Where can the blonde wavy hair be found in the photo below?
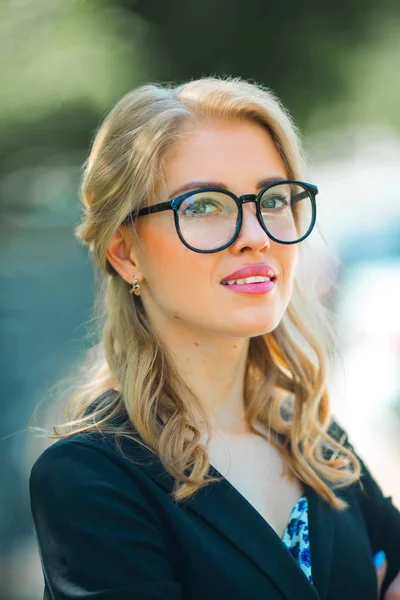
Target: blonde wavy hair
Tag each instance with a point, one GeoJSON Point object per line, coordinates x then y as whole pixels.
{"type": "Point", "coordinates": [287, 369]}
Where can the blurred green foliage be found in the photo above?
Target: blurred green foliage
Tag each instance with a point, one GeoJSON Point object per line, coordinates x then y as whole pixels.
{"type": "Point", "coordinates": [64, 63]}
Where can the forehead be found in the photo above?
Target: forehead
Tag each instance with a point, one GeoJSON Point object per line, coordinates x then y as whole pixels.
{"type": "Point", "coordinates": [235, 153]}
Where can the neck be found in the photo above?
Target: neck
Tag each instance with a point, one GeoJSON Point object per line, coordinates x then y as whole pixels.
{"type": "Point", "coordinates": [214, 369]}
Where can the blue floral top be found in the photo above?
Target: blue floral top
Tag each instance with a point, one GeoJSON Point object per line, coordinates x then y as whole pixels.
{"type": "Point", "coordinates": [296, 537]}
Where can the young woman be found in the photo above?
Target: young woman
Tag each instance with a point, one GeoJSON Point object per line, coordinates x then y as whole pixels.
{"type": "Point", "coordinates": [200, 459]}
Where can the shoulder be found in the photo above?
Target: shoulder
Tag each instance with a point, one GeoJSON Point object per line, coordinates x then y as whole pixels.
{"type": "Point", "coordinates": [335, 430]}
{"type": "Point", "coordinates": [366, 488]}
{"type": "Point", "coordinates": [108, 449]}
{"type": "Point", "coordinates": [84, 479]}
{"type": "Point", "coordinates": [340, 435]}
{"type": "Point", "coordinates": [77, 446]}
{"type": "Point", "coordinates": [92, 507]}
{"type": "Point", "coordinates": [83, 460]}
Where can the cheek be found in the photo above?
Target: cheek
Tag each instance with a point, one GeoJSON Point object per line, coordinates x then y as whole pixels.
{"type": "Point", "coordinates": [287, 257]}
{"type": "Point", "coordinates": [161, 247]}
{"type": "Point", "coordinates": [174, 272]}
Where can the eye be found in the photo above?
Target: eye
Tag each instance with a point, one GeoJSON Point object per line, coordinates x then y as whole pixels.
{"type": "Point", "coordinates": [274, 202]}
{"type": "Point", "coordinates": [199, 207]}
{"type": "Point", "coordinates": [207, 204]}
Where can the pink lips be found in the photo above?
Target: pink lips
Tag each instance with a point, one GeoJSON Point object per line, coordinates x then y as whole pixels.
{"type": "Point", "coordinates": [252, 288]}
{"type": "Point", "coordinates": [262, 287]}
{"type": "Point", "coordinates": [262, 270]}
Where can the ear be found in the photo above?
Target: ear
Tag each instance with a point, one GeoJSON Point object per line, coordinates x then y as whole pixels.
{"type": "Point", "coordinates": [122, 256]}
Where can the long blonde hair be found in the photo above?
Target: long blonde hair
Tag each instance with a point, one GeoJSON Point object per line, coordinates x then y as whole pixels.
{"type": "Point", "coordinates": [287, 369]}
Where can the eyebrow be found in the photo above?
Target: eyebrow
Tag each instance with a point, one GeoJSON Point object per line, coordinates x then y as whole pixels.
{"type": "Point", "coordinates": [192, 185]}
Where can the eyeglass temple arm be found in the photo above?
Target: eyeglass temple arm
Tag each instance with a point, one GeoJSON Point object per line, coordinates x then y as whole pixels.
{"type": "Point", "coordinates": [148, 210]}
{"type": "Point", "coordinates": [298, 197]}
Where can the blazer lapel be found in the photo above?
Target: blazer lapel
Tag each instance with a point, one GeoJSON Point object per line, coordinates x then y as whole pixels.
{"type": "Point", "coordinates": [321, 530]}
{"type": "Point", "coordinates": [229, 512]}
{"type": "Point", "coordinates": [225, 509]}
{"type": "Point", "coordinates": [222, 505]}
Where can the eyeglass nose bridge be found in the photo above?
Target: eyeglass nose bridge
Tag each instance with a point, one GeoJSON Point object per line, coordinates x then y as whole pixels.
{"type": "Point", "coordinates": [251, 198]}
{"type": "Point", "coordinates": [247, 198]}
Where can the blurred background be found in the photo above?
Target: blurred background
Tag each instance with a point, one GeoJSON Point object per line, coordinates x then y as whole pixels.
{"type": "Point", "coordinates": [334, 64]}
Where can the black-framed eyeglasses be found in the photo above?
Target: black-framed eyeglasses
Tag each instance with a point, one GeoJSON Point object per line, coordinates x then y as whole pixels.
{"type": "Point", "coordinates": [209, 219]}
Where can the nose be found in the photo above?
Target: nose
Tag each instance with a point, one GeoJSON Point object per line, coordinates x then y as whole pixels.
{"type": "Point", "coordinates": [251, 233]}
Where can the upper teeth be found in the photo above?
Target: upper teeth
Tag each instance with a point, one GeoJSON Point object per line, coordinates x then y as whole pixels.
{"type": "Point", "coordinates": [256, 279]}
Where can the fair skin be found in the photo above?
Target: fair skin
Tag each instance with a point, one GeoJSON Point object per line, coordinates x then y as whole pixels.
{"type": "Point", "coordinates": [209, 339]}
{"type": "Point", "coordinates": [206, 327]}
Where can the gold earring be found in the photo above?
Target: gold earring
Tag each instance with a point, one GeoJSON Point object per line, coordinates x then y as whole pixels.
{"type": "Point", "coordinates": [135, 289]}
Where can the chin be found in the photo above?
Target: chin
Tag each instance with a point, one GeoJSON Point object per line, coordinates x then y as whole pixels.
{"type": "Point", "coordinates": [248, 329]}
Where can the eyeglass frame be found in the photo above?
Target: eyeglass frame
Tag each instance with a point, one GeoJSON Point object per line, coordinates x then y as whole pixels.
{"type": "Point", "coordinates": [175, 204]}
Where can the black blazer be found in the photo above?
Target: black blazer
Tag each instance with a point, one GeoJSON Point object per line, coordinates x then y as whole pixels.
{"type": "Point", "coordinates": [107, 530]}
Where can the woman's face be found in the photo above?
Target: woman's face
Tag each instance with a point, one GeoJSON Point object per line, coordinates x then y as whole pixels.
{"type": "Point", "coordinates": [184, 287]}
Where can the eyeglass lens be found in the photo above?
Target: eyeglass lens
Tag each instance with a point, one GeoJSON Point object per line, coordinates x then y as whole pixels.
{"type": "Point", "coordinates": [208, 220]}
